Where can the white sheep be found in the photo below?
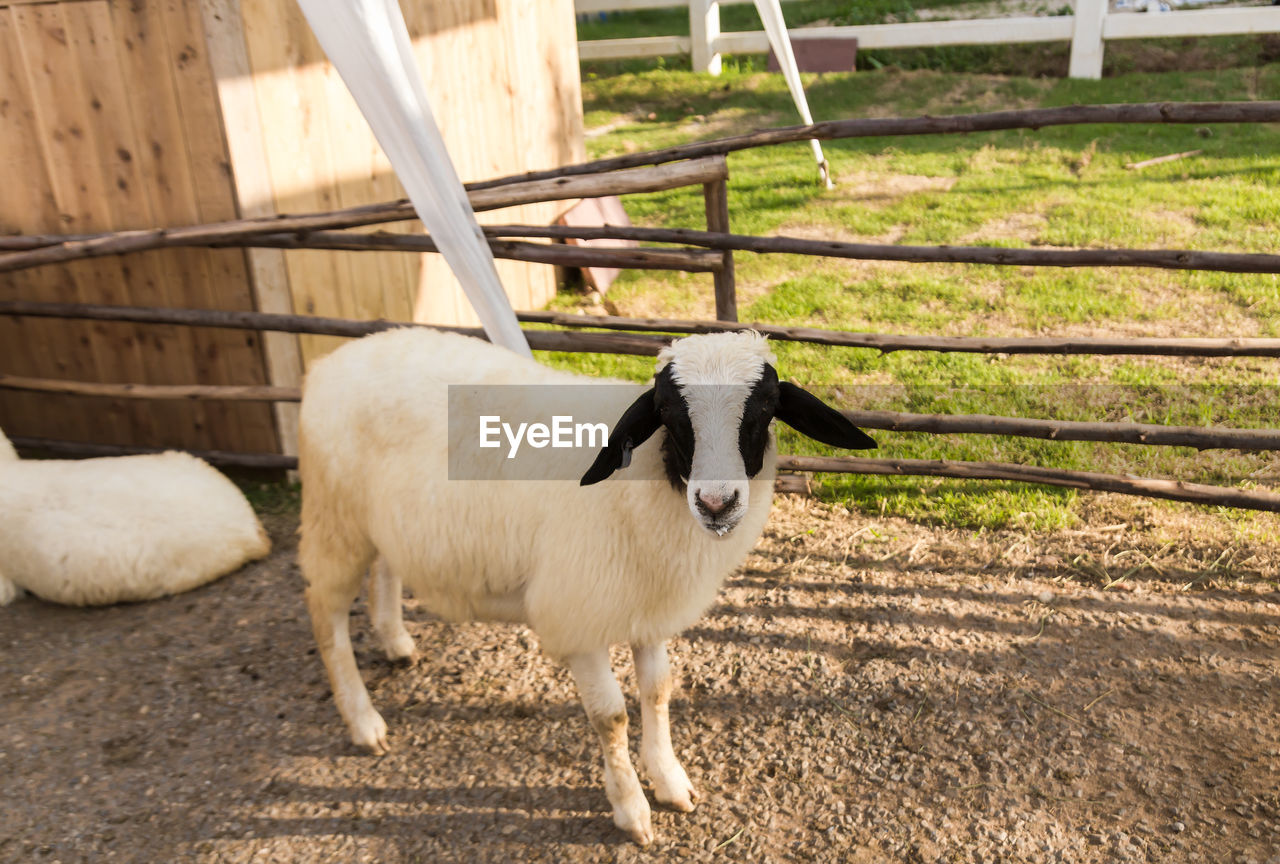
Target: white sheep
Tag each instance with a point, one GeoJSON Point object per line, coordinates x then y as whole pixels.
{"type": "Point", "coordinates": [636, 559]}
{"type": "Point", "coordinates": [98, 531]}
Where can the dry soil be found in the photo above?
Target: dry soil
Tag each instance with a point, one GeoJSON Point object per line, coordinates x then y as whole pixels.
{"type": "Point", "coordinates": [865, 690]}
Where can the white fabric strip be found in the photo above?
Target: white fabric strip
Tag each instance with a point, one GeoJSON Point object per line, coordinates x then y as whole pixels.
{"type": "Point", "coordinates": [368, 42]}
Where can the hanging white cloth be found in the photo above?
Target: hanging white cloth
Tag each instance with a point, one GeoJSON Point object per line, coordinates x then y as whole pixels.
{"type": "Point", "coordinates": [776, 28]}
{"type": "Point", "coordinates": [368, 42]}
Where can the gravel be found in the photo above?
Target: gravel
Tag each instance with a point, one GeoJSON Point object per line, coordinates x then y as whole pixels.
{"type": "Point", "coordinates": [865, 690]}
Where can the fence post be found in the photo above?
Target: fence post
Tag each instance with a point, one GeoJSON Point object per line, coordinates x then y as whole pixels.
{"type": "Point", "coordinates": [1086, 39]}
{"type": "Point", "coordinates": [716, 196]}
{"type": "Point", "coordinates": [704, 29]}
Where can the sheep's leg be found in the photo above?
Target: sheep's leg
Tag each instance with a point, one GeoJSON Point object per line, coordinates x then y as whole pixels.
{"type": "Point", "coordinates": [330, 620]}
{"type": "Point", "coordinates": [385, 609]}
{"type": "Point", "coordinates": [333, 562]}
{"type": "Point", "coordinates": [671, 784]}
{"type": "Point", "coordinates": [9, 589]}
{"type": "Point", "coordinates": [602, 697]}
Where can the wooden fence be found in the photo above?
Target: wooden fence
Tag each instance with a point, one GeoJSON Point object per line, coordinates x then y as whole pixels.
{"type": "Point", "coordinates": [1088, 30]}
{"type": "Point", "coordinates": [707, 251]}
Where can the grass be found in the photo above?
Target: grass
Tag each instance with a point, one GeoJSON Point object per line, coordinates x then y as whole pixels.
{"type": "Point", "coordinates": [1058, 187]}
{"type": "Point", "coordinates": [269, 497]}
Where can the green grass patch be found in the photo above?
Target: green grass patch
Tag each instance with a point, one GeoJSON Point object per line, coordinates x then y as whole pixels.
{"type": "Point", "coordinates": [1056, 187]}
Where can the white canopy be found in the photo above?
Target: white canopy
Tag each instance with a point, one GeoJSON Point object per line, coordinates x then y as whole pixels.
{"type": "Point", "coordinates": [368, 42]}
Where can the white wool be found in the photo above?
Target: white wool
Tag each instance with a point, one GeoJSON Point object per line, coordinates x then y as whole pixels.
{"type": "Point", "coordinates": [718, 358]}
{"type": "Point", "coordinates": [7, 453]}
{"type": "Point", "coordinates": [97, 531]}
{"type": "Point", "coordinates": [585, 567]}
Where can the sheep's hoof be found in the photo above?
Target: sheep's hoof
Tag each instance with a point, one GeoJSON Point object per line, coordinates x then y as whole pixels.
{"type": "Point", "coordinates": [672, 788]}
{"type": "Point", "coordinates": [684, 803]}
{"type": "Point", "coordinates": [399, 647]}
{"type": "Point", "coordinates": [370, 733]}
{"type": "Point", "coordinates": [637, 824]}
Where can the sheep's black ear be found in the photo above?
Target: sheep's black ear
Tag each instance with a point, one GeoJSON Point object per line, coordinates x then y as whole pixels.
{"type": "Point", "coordinates": [809, 415]}
{"type": "Point", "coordinates": [634, 428]}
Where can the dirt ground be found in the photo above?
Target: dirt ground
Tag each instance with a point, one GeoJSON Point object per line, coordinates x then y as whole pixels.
{"type": "Point", "coordinates": [865, 690]}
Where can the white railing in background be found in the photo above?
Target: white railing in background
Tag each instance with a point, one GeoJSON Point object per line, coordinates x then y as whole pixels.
{"type": "Point", "coordinates": [1087, 30]}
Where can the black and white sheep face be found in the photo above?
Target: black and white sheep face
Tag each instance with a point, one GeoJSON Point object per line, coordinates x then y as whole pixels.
{"type": "Point", "coordinates": [716, 437]}
{"type": "Point", "coordinates": [715, 398]}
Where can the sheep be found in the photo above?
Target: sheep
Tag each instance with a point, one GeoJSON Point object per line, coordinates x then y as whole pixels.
{"type": "Point", "coordinates": [584, 563]}
{"type": "Point", "coordinates": [98, 531]}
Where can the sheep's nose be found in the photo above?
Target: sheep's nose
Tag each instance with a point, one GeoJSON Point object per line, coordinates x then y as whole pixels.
{"type": "Point", "coordinates": [714, 505]}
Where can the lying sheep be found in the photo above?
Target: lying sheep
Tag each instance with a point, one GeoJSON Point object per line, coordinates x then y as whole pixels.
{"type": "Point", "coordinates": [97, 531]}
{"type": "Point", "coordinates": [636, 559]}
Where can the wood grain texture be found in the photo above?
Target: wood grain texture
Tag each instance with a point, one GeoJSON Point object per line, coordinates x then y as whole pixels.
{"type": "Point", "coordinates": [477, 61]}
{"type": "Point", "coordinates": [251, 183]}
{"type": "Point", "coordinates": [115, 130]}
{"type": "Point", "coordinates": [214, 392]}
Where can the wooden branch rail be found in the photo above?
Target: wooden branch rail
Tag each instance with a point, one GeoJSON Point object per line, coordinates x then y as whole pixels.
{"type": "Point", "coordinates": [559, 184]}
{"type": "Point", "coordinates": [661, 259]}
{"type": "Point", "coordinates": [1166, 259]}
{"type": "Point", "coordinates": [542, 340]}
{"type": "Point", "coordinates": [888, 342]}
{"type": "Point", "coordinates": [647, 345]}
{"type": "Point", "coordinates": [240, 393]}
{"type": "Point", "coordinates": [40, 251]}
{"type": "Point", "coordinates": [1199, 437]}
{"type": "Point", "coordinates": [1172, 490]}
{"type": "Point", "coordinates": [1202, 438]}
{"type": "Point", "coordinates": [1029, 118]}
{"type": "Point", "coordinates": [213, 457]}
{"type": "Point", "coordinates": [688, 260]}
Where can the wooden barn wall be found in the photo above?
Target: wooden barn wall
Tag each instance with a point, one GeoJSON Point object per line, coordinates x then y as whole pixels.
{"type": "Point", "coordinates": [502, 76]}
{"type": "Point", "coordinates": [109, 120]}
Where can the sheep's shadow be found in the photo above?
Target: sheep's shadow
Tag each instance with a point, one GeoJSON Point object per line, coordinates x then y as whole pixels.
{"type": "Point", "coordinates": [511, 827]}
{"type": "Point", "coordinates": [515, 813]}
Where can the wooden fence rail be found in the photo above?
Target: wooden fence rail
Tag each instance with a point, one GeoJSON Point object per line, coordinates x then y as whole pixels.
{"type": "Point", "coordinates": [687, 260]}
{"type": "Point", "coordinates": [1199, 437]}
{"type": "Point", "coordinates": [1091, 25]}
{"type": "Point", "coordinates": [872, 127]}
{"type": "Point", "coordinates": [542, 340]}
{"type": "Point", "coordinates": [1171, 490]}
{"type": "Point", "coordinates": [643, 344]}
{"type": "Point", "coordinates": [218, 392]}
{"type": "Point", "coordinates": [706, 166]}
{"type": "Point", "coordinates": [889, 342]}
{"type": "Point", "coordinates": [695, 260]}
{"type": "Point", "coordinates": [40, 250]}
{"type": "Point", "coordinates": [224, 458]}
{"type": "Point", "coordinates": [707, 251]}
{"type": "Point", "coordinates": [1165, 259]}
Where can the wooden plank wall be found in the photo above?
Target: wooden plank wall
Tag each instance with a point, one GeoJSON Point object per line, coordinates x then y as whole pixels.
{"type": "Point", "coordinates": [109, 120]}
{"type": "Point", "coordinates": [503, 79]}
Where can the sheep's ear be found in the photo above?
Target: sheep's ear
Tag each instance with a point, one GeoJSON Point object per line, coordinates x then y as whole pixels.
{"type": "Point", "coordinates": [809, 415]}
{"type": "Point", "coordinates": [634, 428]}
